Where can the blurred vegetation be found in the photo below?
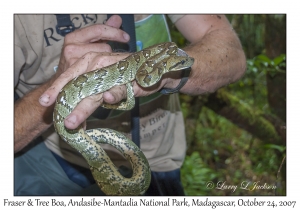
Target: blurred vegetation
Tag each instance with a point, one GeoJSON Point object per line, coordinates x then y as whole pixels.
{"type": "Point", "coordinates": [246, 144]}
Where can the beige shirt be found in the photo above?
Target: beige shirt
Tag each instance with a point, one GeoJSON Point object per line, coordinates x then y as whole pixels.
{"type": "Point", "coordinates": [37, 51]}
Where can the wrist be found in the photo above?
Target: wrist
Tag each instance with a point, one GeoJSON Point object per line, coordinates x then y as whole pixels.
{"type": "Point", "coordinates": [175, 82]}
{"type": "Point", "coordinates": [172, 80]}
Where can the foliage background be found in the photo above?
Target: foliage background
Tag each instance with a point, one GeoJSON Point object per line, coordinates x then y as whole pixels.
{"type": "Point", "coordinates": [246, 144]}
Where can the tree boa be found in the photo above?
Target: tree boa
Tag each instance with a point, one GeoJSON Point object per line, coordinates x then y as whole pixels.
{"type": "Point", "coordinates": [146, 67]}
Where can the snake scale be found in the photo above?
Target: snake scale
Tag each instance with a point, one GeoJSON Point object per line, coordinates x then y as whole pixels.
{"type": "Point", "coordinates": [146, 67]}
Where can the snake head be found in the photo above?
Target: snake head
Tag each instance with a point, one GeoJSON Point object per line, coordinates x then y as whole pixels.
{"type": "Point", "coordinates": [180, 61]}
{"type": "Point", "coordinates": [147, 75]}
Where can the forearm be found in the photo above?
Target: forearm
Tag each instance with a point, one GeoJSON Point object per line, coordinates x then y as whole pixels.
{"type": "Point", "coordinates": [218, 54]}
{"type": "Point", "coordinates": [30, 118]}
{"type": "Point", "coordinates": [219, 61]}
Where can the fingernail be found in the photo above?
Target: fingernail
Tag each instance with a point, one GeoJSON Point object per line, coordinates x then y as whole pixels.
{"type": "Point", "coordinates": [44, 99]}
{"type": "Point", "coordinates": [94, 40]}
{"type": "Point", "coordinates": [71, 119]}
{"type": "Point", "coordinates": [126, 36]}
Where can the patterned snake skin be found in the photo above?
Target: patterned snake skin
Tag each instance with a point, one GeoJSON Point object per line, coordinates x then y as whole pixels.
{"type": "Point", "coordinates": [146, 67]}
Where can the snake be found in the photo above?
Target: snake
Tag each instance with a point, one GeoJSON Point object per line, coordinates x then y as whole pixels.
{"type": "Point", "coordinates": [146, 67]}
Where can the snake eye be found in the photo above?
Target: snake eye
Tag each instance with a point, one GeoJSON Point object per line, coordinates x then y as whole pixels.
{"type": "Point", "coordinates": [182, 62]}
{"type": "Point", "coordinates": [147, 79]}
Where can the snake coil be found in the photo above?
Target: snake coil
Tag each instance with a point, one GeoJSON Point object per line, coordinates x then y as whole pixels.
{"type": "Point", "coordinates": [146, 67]}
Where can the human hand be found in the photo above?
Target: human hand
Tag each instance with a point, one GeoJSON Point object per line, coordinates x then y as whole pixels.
{"type": "Point", "coordinates": [81, 44]}
{"type": "Point", "coordinates": [86, 50]}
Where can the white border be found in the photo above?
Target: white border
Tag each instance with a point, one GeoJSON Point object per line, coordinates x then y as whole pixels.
{"type": "Point", "coordinates": [153, 6]}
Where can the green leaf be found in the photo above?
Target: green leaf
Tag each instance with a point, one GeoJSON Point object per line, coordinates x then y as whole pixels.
{"type": "Point", "coordinates": [264, 58]}
{"type": "Point", "coordinates": [274, 146]}
{"type": "Point", "coordinates": [279, 59]}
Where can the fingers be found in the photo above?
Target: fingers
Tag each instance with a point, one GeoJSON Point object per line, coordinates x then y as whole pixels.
{"type": "Point", "coordinates": [79, 43]}
{"type": "Point", "coordinates": [88, 62]}
{"type": "Point", "coordinates": [95, 33]}
{"type": "Point", "coordinates": [140, 91]}
{"type": "Point", "coordinates": [88, 105]}
{"type": "Point", "coordinates": [73, 52]}
{"type": "Point", "coordinates": [115, 94]}
{"type": "Point", "coordinates": [49, 96]}
{"type": "Point", "coordinates": [85, 50]}
{"type": "Point", "coordinates": [86, 40]}
{"type": "Point", "coordinates": [114, 21]}
{"type": "Point", "coordinates": [83, 110]}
